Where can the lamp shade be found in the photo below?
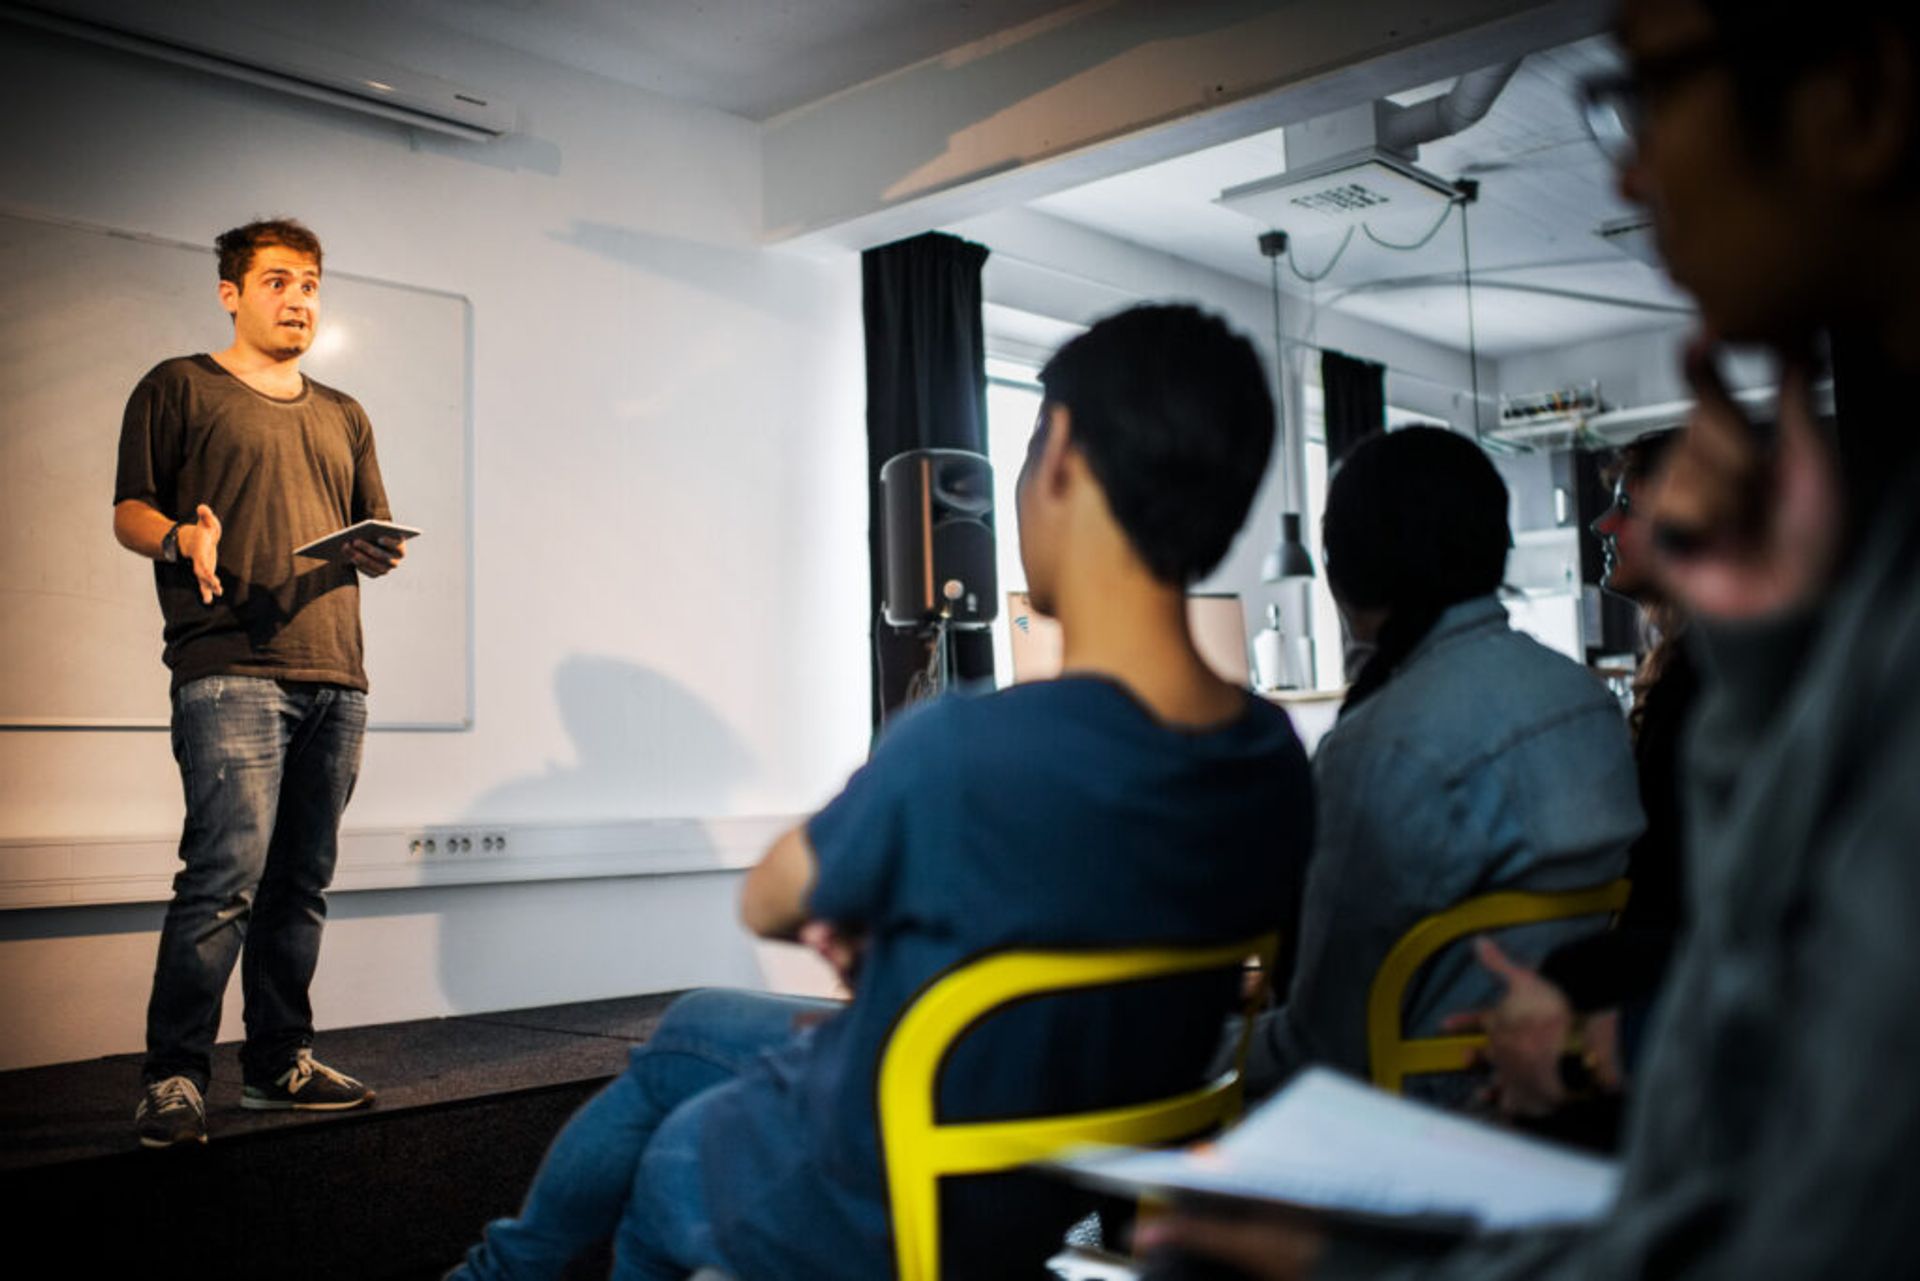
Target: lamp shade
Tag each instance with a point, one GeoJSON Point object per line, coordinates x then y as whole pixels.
{"type": "Point", "coordinates": [1289, 558]}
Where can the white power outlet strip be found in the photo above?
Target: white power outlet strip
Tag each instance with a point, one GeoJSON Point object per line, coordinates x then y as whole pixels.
{"type": "Point", "coordinates": [140, 870]}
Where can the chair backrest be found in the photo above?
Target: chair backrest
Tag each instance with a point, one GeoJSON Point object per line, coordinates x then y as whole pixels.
{"type": "Point", "coordinates": [919, 1149]}
{"type": "Point", "coordinates": [1392, 1057]}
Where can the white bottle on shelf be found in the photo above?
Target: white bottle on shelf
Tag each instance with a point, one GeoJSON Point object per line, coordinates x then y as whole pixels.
{"type": "Point", "coordinates": [1270, 653]}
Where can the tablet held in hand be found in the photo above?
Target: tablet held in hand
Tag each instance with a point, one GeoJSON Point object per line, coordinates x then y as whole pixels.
{"type": "Point", "coordinates": [334, 546]}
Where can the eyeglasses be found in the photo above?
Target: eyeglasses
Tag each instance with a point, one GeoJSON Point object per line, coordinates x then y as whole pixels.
{"type": "Point", "coordinates": [1615, 104]}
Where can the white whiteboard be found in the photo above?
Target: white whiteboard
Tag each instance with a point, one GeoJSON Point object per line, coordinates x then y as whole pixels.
{"type": "Point", "coordinates": [87, 311]}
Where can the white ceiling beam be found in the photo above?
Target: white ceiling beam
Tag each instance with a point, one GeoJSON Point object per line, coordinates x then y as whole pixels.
{"type": "Point", "coordinates": [1103, 87]}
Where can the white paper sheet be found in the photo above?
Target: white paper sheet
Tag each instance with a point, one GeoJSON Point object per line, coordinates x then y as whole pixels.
{"type": "Point", "coordinates": [1329, 1143]}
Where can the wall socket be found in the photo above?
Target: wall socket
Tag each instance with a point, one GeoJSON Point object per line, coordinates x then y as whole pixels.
{"type": "Point", "coordinates": [456, 841]}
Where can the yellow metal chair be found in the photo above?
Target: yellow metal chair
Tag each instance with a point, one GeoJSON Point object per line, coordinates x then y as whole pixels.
{"type": "Point", "coordinates": [919, 1150]}
{"type": "Point", "coordinates": [1393, 1057]}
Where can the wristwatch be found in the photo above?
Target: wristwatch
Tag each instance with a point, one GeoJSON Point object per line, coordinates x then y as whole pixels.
{"type": "Point", "coordinates": [170, 545]}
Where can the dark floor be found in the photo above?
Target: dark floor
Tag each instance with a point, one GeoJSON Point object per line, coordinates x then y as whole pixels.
{"type": "Point", "coordinates": [466, 1107]}
{"type": "Point", "coordinates": [70, 1111]}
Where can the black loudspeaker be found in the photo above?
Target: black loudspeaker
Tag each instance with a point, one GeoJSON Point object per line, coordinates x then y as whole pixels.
{"type": "Point", "coordinates": [937, 538]}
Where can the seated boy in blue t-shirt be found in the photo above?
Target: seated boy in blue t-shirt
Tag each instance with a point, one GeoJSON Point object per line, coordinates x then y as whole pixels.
{"type": "Point", "coordinates": [1138, 799]}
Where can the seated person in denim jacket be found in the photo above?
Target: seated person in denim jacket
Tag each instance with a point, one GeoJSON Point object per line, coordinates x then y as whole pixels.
{"type": "Point", "coordinates": [1138, 799]}
{"type": "Point", "coordinates": [1467, 757]}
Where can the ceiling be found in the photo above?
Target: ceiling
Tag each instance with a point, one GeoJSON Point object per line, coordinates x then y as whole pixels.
{"type": "Point", "coordinates": [755, 58]}
{"type": "Point", "coordinates": [1544, 189]}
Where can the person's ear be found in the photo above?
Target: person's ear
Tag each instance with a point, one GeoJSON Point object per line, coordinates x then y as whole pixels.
{"type": "Point", "coordinates": [1888, 125]}
{"type": "Point", "coordinates": [1051, 470]}
{"type": "Point", "coordinates": [230, 296]}
{"type": "Point", "coordinates": [1858, 117]}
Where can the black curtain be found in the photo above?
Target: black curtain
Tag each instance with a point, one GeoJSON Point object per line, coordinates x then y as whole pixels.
{"type": "Point", "coordinates": [926, 389]}
{"type": "Point", "coordinates": [1356, 401]}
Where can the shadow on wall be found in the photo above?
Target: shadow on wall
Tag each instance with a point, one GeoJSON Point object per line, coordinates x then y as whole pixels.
{"type": "Point", "coordinates": [644, 747]}
{"type": "Point", "coordinates": [746, 276]}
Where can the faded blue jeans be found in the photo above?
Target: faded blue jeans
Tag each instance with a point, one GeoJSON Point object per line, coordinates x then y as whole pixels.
{"type": "Point", "coordinates": [267, 767]}
{"type": "Point", "coordinates": [627, 1166]}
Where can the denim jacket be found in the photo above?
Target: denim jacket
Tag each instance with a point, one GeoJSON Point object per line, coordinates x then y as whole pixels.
{"type": "Point", "coordinates": [1487, 762]}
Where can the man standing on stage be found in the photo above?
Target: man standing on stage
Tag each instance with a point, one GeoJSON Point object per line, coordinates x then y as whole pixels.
{"type": "Point", "coordinates": [228, 462]}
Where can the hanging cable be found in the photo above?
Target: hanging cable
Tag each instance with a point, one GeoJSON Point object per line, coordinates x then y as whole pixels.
{"type": "Point", "coordinates": [1469, 192]}
{"type": "Point", "coordinates": [1325, 271]}
{"type": "Point", "coordinates": [1421, 243]}
{"type": "Point", "coordinates": [1279, 339]}
{"type": "Point", "coordinates": [1287, 423]}
{"type": "Point", "coordinates": [1313, 311]}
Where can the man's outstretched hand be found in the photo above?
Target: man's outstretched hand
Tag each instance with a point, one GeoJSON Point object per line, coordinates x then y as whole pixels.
{"type": "Point", "coordinates": [200, 544]}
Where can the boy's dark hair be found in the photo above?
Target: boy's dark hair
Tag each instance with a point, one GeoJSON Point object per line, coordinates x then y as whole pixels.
{"type": "Point", "coordinates": [237, 247]}
{"type": "Point", "coordinates": [1416, 521]}
{"type": "Point", "coordinates": [1170, 409]}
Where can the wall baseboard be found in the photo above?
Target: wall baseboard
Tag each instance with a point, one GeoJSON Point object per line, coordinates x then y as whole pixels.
{"type": "Point", "coordinates": [75, 873]}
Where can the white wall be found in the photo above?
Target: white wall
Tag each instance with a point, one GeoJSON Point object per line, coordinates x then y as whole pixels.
{"type": "Point", "coordinates": [669, 510]}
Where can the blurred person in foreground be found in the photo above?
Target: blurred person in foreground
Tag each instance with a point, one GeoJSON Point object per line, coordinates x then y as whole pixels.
{"type": "Point", "coordinates": [1773, 1128]}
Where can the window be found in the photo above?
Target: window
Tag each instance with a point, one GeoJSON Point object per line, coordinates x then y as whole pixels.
{"type": "Point", "coordinates": [1013, 403]}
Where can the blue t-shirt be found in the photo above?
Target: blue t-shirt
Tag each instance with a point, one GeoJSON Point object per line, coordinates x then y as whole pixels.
{"type": "Point", "coordinates": [1055, 813]}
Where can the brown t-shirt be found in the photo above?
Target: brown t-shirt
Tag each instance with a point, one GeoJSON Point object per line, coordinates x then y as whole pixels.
{"type": "Point", "coordinates": [278, 474]}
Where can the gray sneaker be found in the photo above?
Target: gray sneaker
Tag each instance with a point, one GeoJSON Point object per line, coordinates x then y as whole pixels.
{"type": "Point", "coordinates": [310, 1086]}
{"type": "Point", "coordinates": [170, 1112]}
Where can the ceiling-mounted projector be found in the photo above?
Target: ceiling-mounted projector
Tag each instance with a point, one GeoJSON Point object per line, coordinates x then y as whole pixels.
{"type": "Point", "coordinates": [1368, 185]}
{"type": "Point", "coordinates": [1357, 165]}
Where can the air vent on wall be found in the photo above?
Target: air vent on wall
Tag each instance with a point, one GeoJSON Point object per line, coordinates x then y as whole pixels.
{"type": "Point", "coordinates": [238, 51]}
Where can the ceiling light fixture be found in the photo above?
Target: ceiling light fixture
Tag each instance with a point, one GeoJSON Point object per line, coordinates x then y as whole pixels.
{"type": "Point", "coordinates": [1289, 558]}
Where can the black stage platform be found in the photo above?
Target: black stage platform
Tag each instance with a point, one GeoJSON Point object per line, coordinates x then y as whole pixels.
{"type": "Point", "coordinates": [466, 1106]}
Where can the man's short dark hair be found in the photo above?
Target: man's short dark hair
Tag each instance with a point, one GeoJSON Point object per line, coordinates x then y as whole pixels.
{"type": "Point", "coordinates": [1171, 411]}
{"type": "Point", "coordinates": [237, 247]}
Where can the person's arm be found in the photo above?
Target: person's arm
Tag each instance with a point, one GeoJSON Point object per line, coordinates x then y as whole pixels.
{"type": "Point", "coordinates": [374, 559]}
{"type": "Point", "coordinates": [142, 528]}
{"type": "Point", "coordinates": [773, 905]}
{"type": "Point", "coordinates": [773, 898]}
{"type": "Point", "coordinates": [145, 484]}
